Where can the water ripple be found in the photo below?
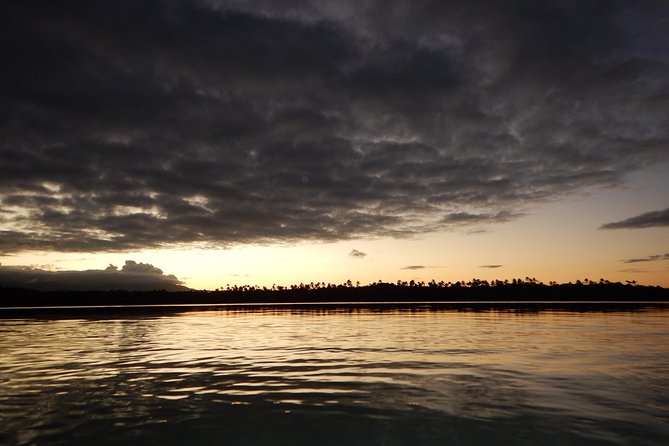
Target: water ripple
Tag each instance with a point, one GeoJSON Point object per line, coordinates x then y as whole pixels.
{"type": "Point", "coordinates": [334, 378]}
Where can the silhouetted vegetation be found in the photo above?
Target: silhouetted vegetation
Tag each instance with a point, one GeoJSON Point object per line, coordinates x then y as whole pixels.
{"type": "Point", "coordinates": [475, 290]}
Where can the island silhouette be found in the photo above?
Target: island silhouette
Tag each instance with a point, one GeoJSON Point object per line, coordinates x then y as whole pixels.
{"type": "Point", "coordinates": [475, 290]}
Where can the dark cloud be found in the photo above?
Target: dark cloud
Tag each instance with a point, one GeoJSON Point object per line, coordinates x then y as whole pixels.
{"type": "Point", "coordinates": [646, 220]}
{"type": "Point", "coordinates": [653, 258]}
{"type": "Point", "coordinates": [491, 266]}
{"type": "Point", "coordinates": [155, 123]}
{"type": "Point", "coordinates": [357, 254]}
{"type": "Point", "coordinates": [131, 276]}
{"type": "Point", "coordinates": [415, 267]}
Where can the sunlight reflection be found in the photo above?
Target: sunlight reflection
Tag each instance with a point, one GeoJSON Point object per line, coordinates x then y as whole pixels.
{"type": "Point", "coordinates": [475, 365]}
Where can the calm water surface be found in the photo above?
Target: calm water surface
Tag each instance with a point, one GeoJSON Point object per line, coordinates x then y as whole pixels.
{"type": "Point", "coordinates": [336, 376]}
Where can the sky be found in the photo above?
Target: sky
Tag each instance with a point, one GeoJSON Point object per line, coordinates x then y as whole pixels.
{"type": "Point", "coordinates": [202, 143]}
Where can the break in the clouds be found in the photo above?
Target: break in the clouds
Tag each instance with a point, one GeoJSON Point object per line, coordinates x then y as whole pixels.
{"type": "Point", "coordinates": [646, 220]}
{"type": "Point", "coordinates": [131, 276]}
{"type": "Point", "coordinates": [144, 123]}
{"type": "Point", "coordinates": [653, 258]}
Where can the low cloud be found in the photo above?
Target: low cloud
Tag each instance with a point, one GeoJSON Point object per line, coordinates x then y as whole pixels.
{"type": "Point", "coordinates": [415, 267]}
{"type": "Point", "coordinates": [636, 271]}
{"type": "Point", "coordinates": [491, 266]}
{"type": "Point", "coordinates": [132, 276]}
{"type": "Point", "coordinates": [357, 254]}
{"type": "Point", "coordinates": [653, 258]}
{"type": "Point", "coordinates": [646, 220]}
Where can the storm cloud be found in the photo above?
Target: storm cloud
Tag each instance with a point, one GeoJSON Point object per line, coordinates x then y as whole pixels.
{"type": "Point", "coordinates": [147, 123]}
{"type": "Point", "coordinates": [132, 276]}
{"type": "Point", "coordinates": [646, 220]}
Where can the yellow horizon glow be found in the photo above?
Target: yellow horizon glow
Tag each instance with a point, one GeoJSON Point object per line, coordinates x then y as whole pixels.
{"type": "Point", "coordinates": [558, 241]}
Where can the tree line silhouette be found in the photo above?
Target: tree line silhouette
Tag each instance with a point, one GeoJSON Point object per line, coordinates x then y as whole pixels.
{"type": "Point", "coordinates": [474, 283]}
{"type": "Point", "coordinates": [475, 290]}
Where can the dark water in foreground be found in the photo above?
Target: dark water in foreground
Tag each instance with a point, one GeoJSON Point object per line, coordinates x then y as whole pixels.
{"type": "Point", "coordinates": [328, 376]}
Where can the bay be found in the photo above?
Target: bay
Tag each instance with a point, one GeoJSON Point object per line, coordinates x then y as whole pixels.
{"type": "Point", "coordinates": [328, 375]}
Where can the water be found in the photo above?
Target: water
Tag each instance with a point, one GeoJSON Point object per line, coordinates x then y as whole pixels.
{"type": "Point", "coordinates": [329, 376]}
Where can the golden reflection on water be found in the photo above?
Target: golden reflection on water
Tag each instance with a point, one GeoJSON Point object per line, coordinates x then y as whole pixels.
{"type": "Point", "coordinates": [553, 341]}
{"type": "Point", "coordinates": [469, 364]}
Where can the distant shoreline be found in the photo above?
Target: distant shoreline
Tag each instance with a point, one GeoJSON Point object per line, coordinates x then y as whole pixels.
{"type": "Point", "coordinates": [380, 293]}
{"type": "Point", "coordinates": [329, 308]}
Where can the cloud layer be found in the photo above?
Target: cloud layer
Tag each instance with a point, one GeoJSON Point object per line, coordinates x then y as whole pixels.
{"type": "Point", "coordinates": [156, 123]}
{"type": "Point", "coordinates": [132, 276]}
{"type": "Point", "coordinates": [646, 220]}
